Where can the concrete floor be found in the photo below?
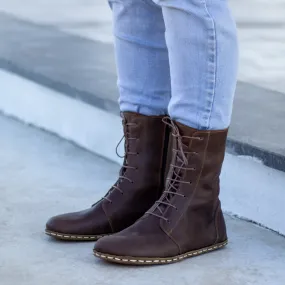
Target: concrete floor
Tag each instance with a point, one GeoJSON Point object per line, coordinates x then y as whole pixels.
{"type": "Point", "coordinates": [42, 175]}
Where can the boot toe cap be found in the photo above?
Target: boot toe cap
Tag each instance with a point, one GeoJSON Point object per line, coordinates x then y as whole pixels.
{"type": "Point", "coordinates": [136, 246]}
{"type": "Point", "coordinates": [92, 221]}
{"type": "Point", "coordinates": [57, 224]}
{"type": "Point", "coordinates": [110, 245]}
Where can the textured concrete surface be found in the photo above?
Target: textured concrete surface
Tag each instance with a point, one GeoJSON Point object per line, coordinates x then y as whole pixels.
{"type": "Point", "coordinates": [72, 64]}
{"type": "Point", "coordinates": [42, 175]}
{"type": "Point", "coordinates": [86, 125]}
{"type": "Point", "coordinates": [89, 19]}
{"type": "Point", "coordinates": [261, 25]}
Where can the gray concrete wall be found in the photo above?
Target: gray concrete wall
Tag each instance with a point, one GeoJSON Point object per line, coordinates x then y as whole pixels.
{"type": "Point", "coordinates": [261, 25]}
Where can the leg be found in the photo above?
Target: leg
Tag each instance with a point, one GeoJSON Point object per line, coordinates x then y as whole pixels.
{"type": "Point", "coordinates": [142, 57]}
{"type": "Point", "coordinates": [144, 83]}
{"type": "Point", "coordinates": [203, 56]}
{"type": "Point", "coordinates": [187, 220]}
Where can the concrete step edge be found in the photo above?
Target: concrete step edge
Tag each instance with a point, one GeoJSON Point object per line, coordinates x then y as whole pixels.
{"type": "Point", "coordinates": [245, 181]}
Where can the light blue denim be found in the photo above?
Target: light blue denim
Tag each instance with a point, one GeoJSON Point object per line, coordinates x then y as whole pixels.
{"type": "Point", "coordinates": [178, 57]}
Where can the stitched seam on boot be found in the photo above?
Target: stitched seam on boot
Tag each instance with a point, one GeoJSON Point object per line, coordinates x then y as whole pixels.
{"type": "Point", "coordinates": [173, 240]}
{"type": "Point", "coordinates": [216, 227]}
{"type": "Point", "coordinates": [108, 218]}
{"type": "Point", "coordinates": [162, 170]}
{"type": "Point", "coordinates": [197, 183]}
{"type": "Point", "coordinates": [216, 222]}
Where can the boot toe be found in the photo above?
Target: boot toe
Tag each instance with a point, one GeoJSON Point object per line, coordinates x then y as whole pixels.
{"type": "Point", "coordinates": [92, 221]}
{"type": "Point", "coordinates": [111, 245]}
{"type": "Point", "coordinates": [56, 224]}
{"type": "Point", "coordinates": [136, 246]}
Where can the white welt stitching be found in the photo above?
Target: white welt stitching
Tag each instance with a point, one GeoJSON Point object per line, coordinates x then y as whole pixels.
{"type": "Point", "coordinates": [163, 260]}
{"type": "Point", "coordinates": [76, 237]}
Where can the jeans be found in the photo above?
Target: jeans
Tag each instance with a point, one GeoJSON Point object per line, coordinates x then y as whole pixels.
{"type": "Point", "coordinates": [177, 57]}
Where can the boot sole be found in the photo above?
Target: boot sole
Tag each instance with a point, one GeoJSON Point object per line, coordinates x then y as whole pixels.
{"type": "Point", "coordinates": [158, 261]}
{"type": "Point", "coordinates": [71, 237]}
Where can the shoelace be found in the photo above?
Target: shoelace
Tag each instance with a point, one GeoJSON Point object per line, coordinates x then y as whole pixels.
{"type": "Point", "coordinates": [125, 166]}
{"type": "Point", "coordinates": [181, 163]}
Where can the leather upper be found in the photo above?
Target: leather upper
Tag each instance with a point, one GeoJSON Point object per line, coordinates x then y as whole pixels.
{"type": "Point", "coordinates": [191, 217]}
{"type": "Point", "coordinates": [140, 184]}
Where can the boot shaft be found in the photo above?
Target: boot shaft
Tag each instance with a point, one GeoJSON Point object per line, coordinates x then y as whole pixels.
{"type": "Point", "coordinates": [198, 157]}
{"type": "Point", "coordinates": [146, 149]}
{"type": "Point", "coordinates": [190, 206]}
{"type": "Point", "coordinates": [142, 176]}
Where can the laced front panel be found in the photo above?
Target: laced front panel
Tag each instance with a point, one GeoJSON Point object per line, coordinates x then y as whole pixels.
{"type": "Point", "coordinates": [180, 164]}
{"type": "Point", "coordinates": [123, 173]}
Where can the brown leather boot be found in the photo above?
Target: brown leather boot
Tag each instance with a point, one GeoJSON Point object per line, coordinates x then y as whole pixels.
{"type": "Point", "coordinates": [140, 184]}
{"type": "Point", "coordinates": [187, 220]}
